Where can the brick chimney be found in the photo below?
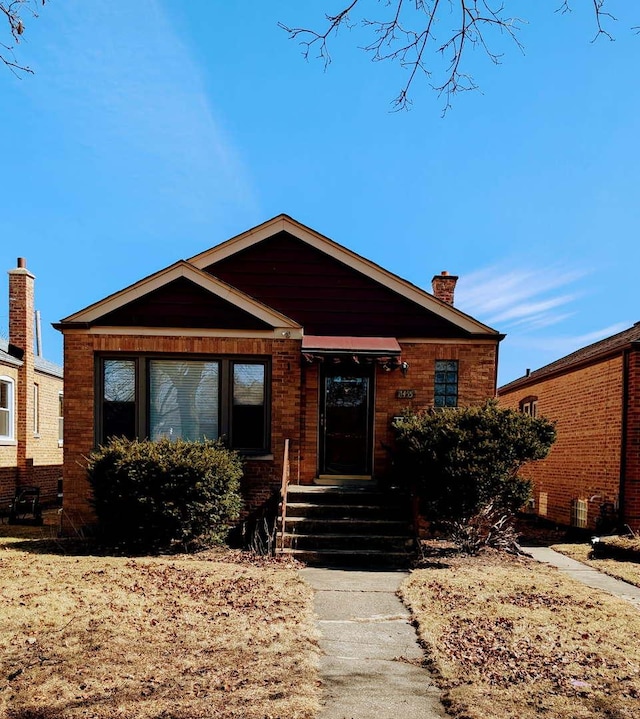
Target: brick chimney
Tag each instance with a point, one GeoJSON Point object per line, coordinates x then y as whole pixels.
{"type": "Point", "coordinates": [444, 286]}
{"type": "Point", "coordinates": [21, 338]}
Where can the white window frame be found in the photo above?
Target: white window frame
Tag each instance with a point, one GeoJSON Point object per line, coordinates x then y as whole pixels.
{"type": "Point", "coordinates": [10, 410]}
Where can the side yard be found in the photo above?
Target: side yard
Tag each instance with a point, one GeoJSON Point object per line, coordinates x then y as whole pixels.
{"type": "Point", "coordinates": [95, 636]}
{"type": "Point", "coordinates": [514, 639]}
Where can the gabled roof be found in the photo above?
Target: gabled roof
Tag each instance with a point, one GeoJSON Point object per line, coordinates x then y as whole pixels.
{"type": "Point", "coordinates": [5, 357]}
{"type": "Point", "coordinates": [587, 355]}
{"type": "Point", "coordinates": [284, 223]}
{"type": "Point", "coordinates": [180, 269]}
{"type": "Point", "coordinates": [40, 363]}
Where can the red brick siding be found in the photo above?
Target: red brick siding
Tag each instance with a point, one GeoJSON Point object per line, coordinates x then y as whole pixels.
{"type": "Point", "coordinates": [632, 454]}
{"type": "Point", "coordinates": [294, 403]}
{"type": "Point", "coordinates": [262, 476]}
{"type": "Point", "coordinates": [8, 484]}
{"type": "Point", "coordinates": [586, 405]}
{"type": "Point", "coordinates": [476, 383]}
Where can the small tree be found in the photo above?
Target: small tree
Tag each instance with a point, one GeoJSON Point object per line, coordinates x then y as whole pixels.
{"type": "Point", "coordinates": [465, 462]}
{"type": "Point", "coordinates": [156, 495]}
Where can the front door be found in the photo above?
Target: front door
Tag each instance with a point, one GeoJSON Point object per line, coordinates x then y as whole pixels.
{"type": "Point", "coordinates": [346, 421]}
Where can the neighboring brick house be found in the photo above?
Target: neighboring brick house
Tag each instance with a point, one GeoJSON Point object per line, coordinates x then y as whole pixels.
{"type": "Point", "coordinates": [30, 402]}
{"type": "Point", "coordinates": [593, 395]}
{"type": "Point", "coordinates": [278, 333]}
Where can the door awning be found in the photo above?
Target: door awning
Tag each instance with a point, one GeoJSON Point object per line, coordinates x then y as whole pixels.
{"type": "Point", "coordinates": [358, 350]}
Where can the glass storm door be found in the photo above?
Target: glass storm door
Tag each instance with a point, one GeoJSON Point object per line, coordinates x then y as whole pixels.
{"type": "Point", "coordinates": [346, 422]}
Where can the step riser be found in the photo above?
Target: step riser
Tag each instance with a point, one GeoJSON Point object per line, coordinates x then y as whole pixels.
{"type": "Point", "coordinates": [345, 498]}
{"type": "Point", "coordinates": [348, 543]}
{"type": "Point", "coordinates": [353, 560]}
{"type": "Point", "coordinates": [348, 527]}
{"type": "Point", "coordinates": [337, 526]}
{"type": "Point", "coordinates": [344, 512]}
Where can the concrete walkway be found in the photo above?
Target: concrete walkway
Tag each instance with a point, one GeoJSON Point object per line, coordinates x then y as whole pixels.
{"type": "Point", "coordinates": [370, 665]}
{"type": "Point", "coordinates": [585, 574]}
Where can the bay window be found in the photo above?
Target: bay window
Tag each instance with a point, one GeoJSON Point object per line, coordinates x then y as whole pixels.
{"type": "Point", "coordinates": [193, 399]}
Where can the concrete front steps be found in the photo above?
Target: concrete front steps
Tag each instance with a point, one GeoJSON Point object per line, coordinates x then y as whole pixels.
{"type": "Point", "coordinates": [347, 526]}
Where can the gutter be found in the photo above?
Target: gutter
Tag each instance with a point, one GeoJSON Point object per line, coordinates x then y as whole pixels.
{"type": "Point", "coordinates": [538, 375]}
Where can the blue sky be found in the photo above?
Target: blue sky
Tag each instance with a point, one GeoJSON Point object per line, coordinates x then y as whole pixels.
{"type": "Point", "coordinates": [154, 130]}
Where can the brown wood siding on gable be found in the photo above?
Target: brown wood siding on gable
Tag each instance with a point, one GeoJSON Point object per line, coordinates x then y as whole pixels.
{"type": "Point", "coordinates": [182, 303]}
{"type": "Point", "coordinates": [326, 296]}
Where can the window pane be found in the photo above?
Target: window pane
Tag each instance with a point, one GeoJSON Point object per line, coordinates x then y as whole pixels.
{"type": "Point", "coordinates": [445, 391]}
{"type": "Point", "coordinates": [4, 423]}
{"type": "Point", "coordinates": [248, 412]}
{"type": "Point", "coordinates": [184, 399]}
{"type": "Point", "coordinates": [5, 410]}
{"type": "Point", "coordinates": [118, 403]}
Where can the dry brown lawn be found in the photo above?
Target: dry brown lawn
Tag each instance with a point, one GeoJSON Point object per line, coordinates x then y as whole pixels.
{"type": "Point", "coordinates": [170, 637]}
{"type": "Point", "coordinates": [625, 570]}
{"type": "Point", "coordinates": [514, 639]}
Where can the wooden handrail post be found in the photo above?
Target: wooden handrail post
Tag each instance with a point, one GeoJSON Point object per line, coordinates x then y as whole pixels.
{"type": "Point", "coordinates": [283, 491]}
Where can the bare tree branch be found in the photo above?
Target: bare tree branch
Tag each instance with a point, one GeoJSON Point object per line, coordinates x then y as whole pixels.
{"type": "Point", "coordinates": [13, 12]}
{"type": "Point", "coordinates": [405, 33]}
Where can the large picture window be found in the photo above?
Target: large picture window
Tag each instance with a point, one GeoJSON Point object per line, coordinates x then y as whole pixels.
{"type": "Point", "coordinates": [6, 409]}
{"type": "Point", "coordinates": [185, 398]}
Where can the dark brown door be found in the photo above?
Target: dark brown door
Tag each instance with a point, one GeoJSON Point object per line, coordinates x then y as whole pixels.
{"type": "Point", "coordinates": [346, 415]}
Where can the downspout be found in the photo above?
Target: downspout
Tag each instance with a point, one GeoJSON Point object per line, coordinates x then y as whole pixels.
{"type": "Point", "coordinates": [623, 439]}
{"type": "Point", "coordinates": [495, 371]}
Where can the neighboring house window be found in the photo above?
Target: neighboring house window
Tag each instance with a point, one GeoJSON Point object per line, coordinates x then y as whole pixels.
{"type": "Point", "coordinates": [188, 399]}
{"type": "Point", "coordinates": [446, 384]}
{"type": "Point", "coordinates": [36, 410]}
{"type": "Point", "coordinates": [60, 418]}
{"type": "Point", "coordinates": [529, 405]}
{"type": "Point", "coordinates": [6, 409]}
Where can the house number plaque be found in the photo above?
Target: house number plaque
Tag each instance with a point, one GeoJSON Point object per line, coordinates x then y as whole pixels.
{"type": "Point", "coordinates": [405, 394]}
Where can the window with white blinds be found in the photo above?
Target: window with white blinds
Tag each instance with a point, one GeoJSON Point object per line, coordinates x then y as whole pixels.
{"type": "Point", "coordinates": [184, 399]}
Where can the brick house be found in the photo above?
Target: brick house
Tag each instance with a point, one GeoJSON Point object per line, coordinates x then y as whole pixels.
{"type": "Point", "coordinates": [593, 395]}
{"type": "Point", "coordinates": [278, 333]}
{"type": "Point", "coordinates": [30, 401]}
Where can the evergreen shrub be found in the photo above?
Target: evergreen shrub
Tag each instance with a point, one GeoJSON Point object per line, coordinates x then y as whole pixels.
{"type": "Point", "coordinates": [165, 494]}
